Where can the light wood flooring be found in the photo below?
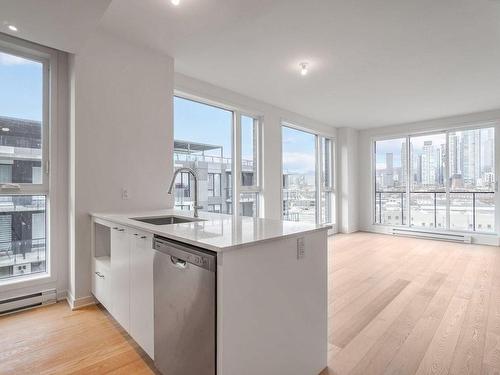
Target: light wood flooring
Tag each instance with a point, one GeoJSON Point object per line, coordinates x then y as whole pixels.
{"type": "Point", "coordinates": [397, 306]}
{"type": "Point", "coordinates": [409, 306]}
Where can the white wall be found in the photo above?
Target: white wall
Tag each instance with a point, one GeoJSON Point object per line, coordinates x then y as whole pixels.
{"type": "Point", "coordinates": [273, 118]}
{"type": "Point", "coordinates": [366, 138]}
{"type": "Point", "coordinates": [121, 132]}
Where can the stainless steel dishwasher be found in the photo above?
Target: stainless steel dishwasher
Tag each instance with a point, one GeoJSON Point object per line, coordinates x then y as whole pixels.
{"type": "Point", "coordinates": [184, 308]}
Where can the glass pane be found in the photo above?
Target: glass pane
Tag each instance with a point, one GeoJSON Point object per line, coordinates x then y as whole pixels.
{"type": "Point", "coordinates": [21, 103]}
{"type": "Point", "coordinates": [248, 151]}
{"type": "Point", "coordinates": [22, 235]}
{"type": "Point", "coordinates": [461, 212]}
{"type": "Point", "coordinates": [472, 160]}
{"type": "Point", "coordinates": [485, 212]}
{"type": "Point", "coordinates": [390, 208]}
{"type": "Point", "coordinates": [326, 163]}
{"type": "Point", "coordinates": [428, 210]}
{"type": "Point", "coordinates": [326, 207]}
{"type": "Point", "coordinates": [390, 165]}
{"type": "Point", "coordinates": [249, 204]}
{"type": "Point", "coordinates": [203, 142]}
{"type": "Point", "coordinates": [299, 175]}
{"type": "Point", "coordinates": [427, 155]}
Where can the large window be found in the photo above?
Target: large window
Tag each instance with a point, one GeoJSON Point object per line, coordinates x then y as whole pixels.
{"type": "Point", "coordinates": [307, 191]}
{"type": "Point", "coordinates": [205, 142]}
{"type": "Point", "coordinates": [449, 184]}
{"type": "Point", "coordinates": [23, 176]}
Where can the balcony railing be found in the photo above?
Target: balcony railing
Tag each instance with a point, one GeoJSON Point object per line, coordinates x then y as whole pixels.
{"type": "Point", "coordinates": [468, 210]}
{"type": "Point", "coordinates": [179, 156]}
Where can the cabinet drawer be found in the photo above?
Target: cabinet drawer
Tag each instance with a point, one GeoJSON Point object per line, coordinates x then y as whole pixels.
{"type": "Point", "coordinates": [101, 284]}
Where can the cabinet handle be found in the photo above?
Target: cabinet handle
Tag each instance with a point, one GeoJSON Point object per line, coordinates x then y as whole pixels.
{"type": "Point", "coordinates": [135, 234]}
{"type": "Point", "coordinates": [115, 228]}
{"type": "Point", "coordinates": [99, 274]}
{"type": "Point", "coordinates": [121, 230]}
{"type": "Point", "coordinates": [144, 237]}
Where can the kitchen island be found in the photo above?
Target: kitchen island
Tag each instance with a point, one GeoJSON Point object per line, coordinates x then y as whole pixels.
{"type": "Point", "coordinates": [270, 306]}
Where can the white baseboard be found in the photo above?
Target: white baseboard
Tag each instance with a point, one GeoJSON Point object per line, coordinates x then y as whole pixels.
{"type": "Point", "coordinates": [78, 303]}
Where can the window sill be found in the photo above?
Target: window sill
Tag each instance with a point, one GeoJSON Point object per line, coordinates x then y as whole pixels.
{"type": "Point", "coordinates": [19, 282]}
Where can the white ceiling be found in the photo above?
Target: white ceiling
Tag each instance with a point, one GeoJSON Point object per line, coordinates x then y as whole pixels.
{"type": "Point", "coordinates": [61, 24]}
{"type": "Point", "coordinates": [372, 62]}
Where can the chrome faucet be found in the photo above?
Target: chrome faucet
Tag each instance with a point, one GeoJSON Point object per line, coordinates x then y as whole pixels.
{"type": "Point", "coordinates": [195, 177]}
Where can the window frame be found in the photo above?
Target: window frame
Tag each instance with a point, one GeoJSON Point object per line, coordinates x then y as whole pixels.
{"type": "Point", "coordinates": [495, 124]}
{"type": "Point", "coordinates": [237, 176]}
{"type": "Point", "coordinates": [30, 188]}
{"type": "Point", "coordinates": [318, 176]}
{"type": "Point", "coordinates": [49, 59]}
{"type": "Point", "coordinates": [235, 183]}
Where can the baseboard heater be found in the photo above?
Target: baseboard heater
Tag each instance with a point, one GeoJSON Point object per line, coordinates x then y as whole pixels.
{"type": "Point", "coordinates": [432, 235]}
{"type": "Point", "coordinates": [27, 301]}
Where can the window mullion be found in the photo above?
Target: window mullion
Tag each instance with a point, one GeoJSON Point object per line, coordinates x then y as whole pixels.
{"type": "Point", "coordinates": [236, 162]}
{"type": "Point", "coordinates": [409, 167]}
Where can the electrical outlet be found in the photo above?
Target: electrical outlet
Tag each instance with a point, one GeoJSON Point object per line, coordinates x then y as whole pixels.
{"type": "Point", "coordinates": [124, 194]}
{"type": "Point", "coordinates": [301, 248]}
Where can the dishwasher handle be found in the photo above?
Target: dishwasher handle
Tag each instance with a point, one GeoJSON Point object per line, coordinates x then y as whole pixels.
{"type": "Point", "coordinates": [184, 253]}
{"type": "Point", "coordinates": [178, 263]}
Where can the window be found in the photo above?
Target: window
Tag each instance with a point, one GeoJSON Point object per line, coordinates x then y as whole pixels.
{"type": "Point", "coordinates": [390, 181]}
{"type": "Point", "coordinates": [305, 186]}
{"type": "Point", "coordinates": [23, 152]}
{"type": "Point", "coordinates": [204, 141]}
{"type": "Point", "coordinates": [217, 208]}
{"type": "Point", "coordinates": [451, 179]}
{"type": "Point", "coordinates": [326, 177]}
{"type": "Point", "coordinates": [214, 184]}
{"type": "Point", "coordinates": [427, 180]}
{"type": "Point", "coordinates": [250, 181]}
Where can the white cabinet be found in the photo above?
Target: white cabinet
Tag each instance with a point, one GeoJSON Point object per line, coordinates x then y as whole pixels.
{"type": "Point", "coordinates": [141, 291]}
{"type": "Point", "coordinates": [101, 281]}
{"type": "Point", "coordinates": [120, 276]}
{"type": "Point", "coordinates": [123, 281]}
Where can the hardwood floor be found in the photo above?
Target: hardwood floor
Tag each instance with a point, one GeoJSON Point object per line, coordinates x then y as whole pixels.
{"type": "Point", "coordinates": [408, 306]}
{"type": "Point", "coordinates": [56, 340]}
{"type": "Point", "coordinates": [396, 306]}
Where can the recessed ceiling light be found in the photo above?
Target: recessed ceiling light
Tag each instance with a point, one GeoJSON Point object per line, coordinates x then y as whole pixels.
{"type": "Point", "coordinates": [175, 2]}
{"type": "Point", "coordinates": [5, 129]}
{"type": "Point", "coordinates": [303, 68]}
{"type": "Point", "coordinates": [12, 28]}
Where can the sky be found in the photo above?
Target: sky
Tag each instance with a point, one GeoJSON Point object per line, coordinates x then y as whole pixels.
{"type": "Point", "coordinates": [21, 83]}
{"type": "Point", "coordinates": [21, 96]}
{"type": "Point", "coordinates": [202, 123]}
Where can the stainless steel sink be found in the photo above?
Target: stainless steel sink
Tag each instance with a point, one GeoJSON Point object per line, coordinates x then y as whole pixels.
{"type": "Point", "coordinates": [166, 220]}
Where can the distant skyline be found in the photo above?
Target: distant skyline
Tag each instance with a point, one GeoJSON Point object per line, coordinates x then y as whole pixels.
{"type": "Point", "coordinates": [21, 87]}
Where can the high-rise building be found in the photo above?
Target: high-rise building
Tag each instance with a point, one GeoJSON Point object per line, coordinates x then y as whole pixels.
{"type": "Point", "coordinates": [389, 170]}
{"type": "Point", "coordinates": [429, 162]}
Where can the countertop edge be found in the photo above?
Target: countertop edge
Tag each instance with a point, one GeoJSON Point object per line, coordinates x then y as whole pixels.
{"type": "Point", "coordinates": [218, 249]}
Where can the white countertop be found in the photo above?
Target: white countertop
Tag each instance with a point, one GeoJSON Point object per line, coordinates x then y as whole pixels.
{"type": "Point", "coordinates": [217, 232]}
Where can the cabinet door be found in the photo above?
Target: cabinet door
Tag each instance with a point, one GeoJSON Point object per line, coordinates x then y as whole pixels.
{"type": "Point", "coordinates": [101, 285]}
{"type": "Point", "coordinates": [120, 269]}
{"type": "Point", "coordinates": [141, 292]}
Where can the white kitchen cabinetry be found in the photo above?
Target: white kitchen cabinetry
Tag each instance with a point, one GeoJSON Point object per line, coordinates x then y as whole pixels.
{"type": "Point", "coordinates": [120, 276]}
{"type": "Point", "coordinates": [141, 291]}
{"type": "Point", "coordinates": [123, 278]}
{"type": "Point", "coordinates": [101, 281]}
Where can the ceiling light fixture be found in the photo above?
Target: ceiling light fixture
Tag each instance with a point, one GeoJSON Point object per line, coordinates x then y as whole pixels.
{"type": "Point", "coordinates": [5, 129]}
{"type": "Point", "coordinates": [175, 2]}
{"type": "Point", "coordinates": [303, 68]}
{"type": "Point", "coordinates": [12, 28]}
